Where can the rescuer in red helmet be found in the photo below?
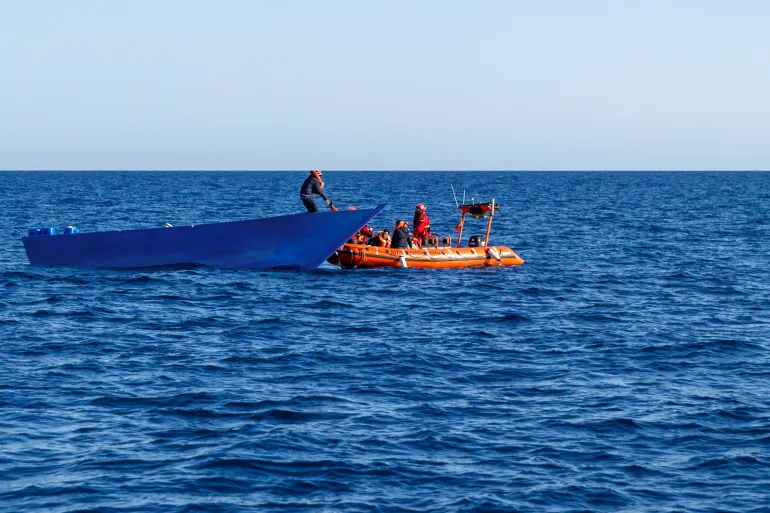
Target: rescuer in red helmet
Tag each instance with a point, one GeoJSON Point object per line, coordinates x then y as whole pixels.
{"type": "Point", "coordinates": [420, 223]}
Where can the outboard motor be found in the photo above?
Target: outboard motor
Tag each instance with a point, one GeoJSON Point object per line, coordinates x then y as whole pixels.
{"type": "Point", "coordinates": [446, 241]}
{"type": "Point", "coordinates": [33, 232]}
{"type": "Point", "coordinates": [71, 230]}
{"type": "Point", "coordinates": [477, 241]}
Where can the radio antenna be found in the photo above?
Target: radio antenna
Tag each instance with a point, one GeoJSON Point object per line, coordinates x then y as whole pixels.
{"type": "Point", "coordinates": [455, 195]}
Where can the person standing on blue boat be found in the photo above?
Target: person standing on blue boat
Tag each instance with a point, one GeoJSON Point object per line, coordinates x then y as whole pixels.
{"type": "Point", "coordinates": [313, 185]}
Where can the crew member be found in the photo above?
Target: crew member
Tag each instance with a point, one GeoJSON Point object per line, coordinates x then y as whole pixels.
{"type": "Point", "coordinates": [313, 185]}
{"type": "Point", "coordinates": [401, 239]}
{"type": "Point", "coordinates": [421, 223]}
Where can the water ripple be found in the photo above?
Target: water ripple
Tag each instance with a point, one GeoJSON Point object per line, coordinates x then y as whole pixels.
{"type": "Point", "coordinates": [624, 367]}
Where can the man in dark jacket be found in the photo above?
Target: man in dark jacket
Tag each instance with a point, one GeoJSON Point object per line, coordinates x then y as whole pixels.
{"type": "Point", "coordinates": [400, 238]}
{"type": "Point", "coordinates": [313, 185]}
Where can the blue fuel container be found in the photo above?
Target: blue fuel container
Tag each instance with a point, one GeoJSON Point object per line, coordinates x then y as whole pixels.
{"type": "Point", "coordinates": [70, 230]}
{"type": "Point", "coordinates": [33, 232]}
{"type": "Point", "coordinates": [48, 231]}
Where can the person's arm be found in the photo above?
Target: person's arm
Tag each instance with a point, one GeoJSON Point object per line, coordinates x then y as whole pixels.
{"type": "Point", "coordinates": [318, 190]}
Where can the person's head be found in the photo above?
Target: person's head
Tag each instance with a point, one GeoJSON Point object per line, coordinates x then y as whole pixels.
{"type": "Point", "coordinates": [419, 208]}
{"type": "Point", "coordinates": [316, 173]}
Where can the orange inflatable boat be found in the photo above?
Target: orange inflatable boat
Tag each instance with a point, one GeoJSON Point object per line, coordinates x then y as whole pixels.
{"type": "Point", "coordinates": [434, 253]}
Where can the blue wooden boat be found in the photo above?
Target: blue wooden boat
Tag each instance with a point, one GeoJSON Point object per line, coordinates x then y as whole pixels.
{"type": "Point", "coordinates": [298, 241]}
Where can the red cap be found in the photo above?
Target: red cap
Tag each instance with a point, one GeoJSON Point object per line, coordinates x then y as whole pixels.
{"type": "Point", "coordinates": [420, 206]}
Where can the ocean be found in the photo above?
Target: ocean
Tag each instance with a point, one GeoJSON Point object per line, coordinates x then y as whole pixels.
{"type": "Point", "coordinates": [624, 367]}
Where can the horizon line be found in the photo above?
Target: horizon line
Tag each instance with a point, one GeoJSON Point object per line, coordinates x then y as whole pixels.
{"type": "Point", "coordinates": [386, 170]}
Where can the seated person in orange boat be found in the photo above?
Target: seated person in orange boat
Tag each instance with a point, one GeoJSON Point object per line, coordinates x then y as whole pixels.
{"type": "Point", "coordinates": [385, 238]}
{"type": "Point", "coordinates": [382, 239]}
{"type": "Point", "coordinates": [401, 237]}
{"type": "Point", "coordinates": [421, 223]}
{"type": "Point", "coordinates": [363, 235]}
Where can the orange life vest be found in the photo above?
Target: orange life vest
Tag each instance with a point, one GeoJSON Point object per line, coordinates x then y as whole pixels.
{"type": "Point", "coordinates": [317, 175]}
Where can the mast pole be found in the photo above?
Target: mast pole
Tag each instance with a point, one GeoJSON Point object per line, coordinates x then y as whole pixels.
{"type": "Point", "coordinates": [460, 235]}
{"type": "Point", "coordinates": [489, 223]}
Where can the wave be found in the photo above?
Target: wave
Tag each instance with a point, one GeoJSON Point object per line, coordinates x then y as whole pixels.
{"type": "Point", "coordinates": [621, 368]}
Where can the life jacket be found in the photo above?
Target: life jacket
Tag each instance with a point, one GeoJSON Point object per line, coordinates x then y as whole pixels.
{"type": "Point", "coordinates": [317, 176]}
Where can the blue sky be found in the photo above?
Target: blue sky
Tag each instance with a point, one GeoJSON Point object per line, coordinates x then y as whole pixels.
{"type": "Point", "coordinates": [432, 84]}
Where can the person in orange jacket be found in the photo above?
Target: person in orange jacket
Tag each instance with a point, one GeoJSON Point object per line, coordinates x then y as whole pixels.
{"type": "Point", "coordinates": [385, 237]}
{"type": "Point", "coordinates": [382, 239]}
{"type": "Point", "coordinates": [363, 235]}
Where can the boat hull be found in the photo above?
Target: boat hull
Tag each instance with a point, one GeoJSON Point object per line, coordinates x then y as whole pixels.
{"type": "Point", "coordinates": [351, 256]}
{"type": "Point", "coordinates": [297, 241]}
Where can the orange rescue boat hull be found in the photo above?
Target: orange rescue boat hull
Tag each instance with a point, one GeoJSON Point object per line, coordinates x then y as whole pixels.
{"type": "Point", "coordinates": [352, 256]}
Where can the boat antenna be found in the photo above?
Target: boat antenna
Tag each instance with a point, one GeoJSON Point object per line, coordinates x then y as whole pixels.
{"type": "Point", "coordinates": [453, 194]}
{"type": "Point", "coordinates": [463, 197]}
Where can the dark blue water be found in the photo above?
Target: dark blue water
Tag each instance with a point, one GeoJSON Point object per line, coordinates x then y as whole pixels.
{"type": "Point", "coordinates": [624, 367]}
